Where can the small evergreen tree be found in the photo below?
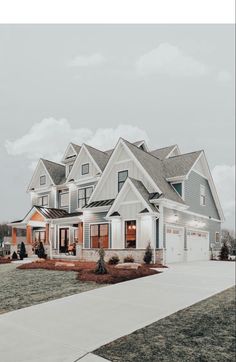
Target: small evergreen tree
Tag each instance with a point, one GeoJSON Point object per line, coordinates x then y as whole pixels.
{"type": "Point", "coordinates": [14, 256]}
{"type": "Point", "coordinates": [41, 251]}
{"type": "Point", "coordinates": [148, 254]}
{"type": "Point", "coordinates": [101, 266]}
{"type": "Point", "coordinates": [224, 252]}
{"type": "Point", "coordinates": [22, 252]}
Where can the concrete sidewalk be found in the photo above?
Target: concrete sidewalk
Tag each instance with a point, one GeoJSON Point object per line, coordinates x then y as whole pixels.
{"type": "Point", "coordinates": [67, 329]}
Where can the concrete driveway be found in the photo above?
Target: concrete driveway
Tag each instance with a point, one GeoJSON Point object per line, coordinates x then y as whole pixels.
{"type": "Point", "coordinates": [67, 329]}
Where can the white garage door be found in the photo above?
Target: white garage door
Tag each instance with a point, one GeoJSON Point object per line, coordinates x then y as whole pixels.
{"type": "Point", "coordinates": [197, 245]}
{"type": "Point", "coordinates": [174, 244]}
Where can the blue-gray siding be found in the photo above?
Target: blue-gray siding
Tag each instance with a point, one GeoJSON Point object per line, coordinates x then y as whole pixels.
{"type": "Point", "coordinates": [90, 219]}
{"type": "Point", "coordinates": [192, 196]}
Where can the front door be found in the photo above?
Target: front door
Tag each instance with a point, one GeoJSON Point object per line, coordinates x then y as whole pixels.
{"type": "Point", "coordinates": [63, 240]}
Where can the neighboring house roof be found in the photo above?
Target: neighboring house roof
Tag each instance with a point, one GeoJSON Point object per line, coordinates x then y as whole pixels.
{"type": "Point", "coordinates": [162, 153]}
{"type": "Point", "coordinates": [154, 167]}
{"type": "Point", "coordinates": [180, 165]}
{"type": "Point", "coordinates": [55, 170]}
{"type": "Point", "coordinates": [76, 147]}
{"type": "Point", "coordinates": [100, 157]}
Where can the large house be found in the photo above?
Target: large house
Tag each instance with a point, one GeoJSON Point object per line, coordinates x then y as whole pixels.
{"type": "Point", "coordinates": [121, 200]}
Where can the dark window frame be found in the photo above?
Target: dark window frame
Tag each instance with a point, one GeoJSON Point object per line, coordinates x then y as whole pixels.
{"type": "Point", "coordinates": [43, 177]}
{"type": "Point", "coordinates": [86, 198]}
{"type": "Point", "coordinates": [181, 187]}
{"type": "Point", "coordinates": [42, 203]}
{"type": "Point", "coordinates": [82, 169]}
{"type": "Point", "coordinates": [133, 222]}
{"type": "Point", "coordinates": [59, 199]}
{"type": "Point", "coordinates": [98, 225]}
{"type": "Point", "coordinates": [121, 183]}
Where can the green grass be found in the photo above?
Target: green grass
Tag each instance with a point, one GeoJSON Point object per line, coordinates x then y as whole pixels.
{"type": "Point", "coordinates": [23, 288]}
{"type": "Point", "coordinates": [204, 332]}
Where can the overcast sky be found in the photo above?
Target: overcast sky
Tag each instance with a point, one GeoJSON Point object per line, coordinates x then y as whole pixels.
{"type": "Point", "coordinates": [93, 83]}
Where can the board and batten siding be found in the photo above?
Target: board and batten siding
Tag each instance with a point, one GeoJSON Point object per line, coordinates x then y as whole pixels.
{"type": "Point", "coordinates": [185, 220]}
{"type": "Point", "coordinates": [94, 218]}
{"type": "Point", "coordinates": [192, 196]}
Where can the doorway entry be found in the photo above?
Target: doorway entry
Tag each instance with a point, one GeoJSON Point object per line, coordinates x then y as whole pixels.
{"type": "Point", "coordinates": [63, 240]}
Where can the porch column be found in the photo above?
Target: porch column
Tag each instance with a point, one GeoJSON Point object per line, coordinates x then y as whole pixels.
{"type": "Point", "coordinates": [47, 234]}
{"type": "Point", "coordinates": [29, 234]}
{"type": "Point", "coordinates": [13, 235]}
{"type": "Point", "coordinates": [80, 233]}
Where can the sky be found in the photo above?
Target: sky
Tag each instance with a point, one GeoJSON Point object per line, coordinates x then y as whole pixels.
{"type": "Point", "coordinates": [94, 83]}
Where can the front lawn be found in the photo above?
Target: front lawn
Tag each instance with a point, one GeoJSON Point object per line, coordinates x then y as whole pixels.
{"type": "Point", "coordinates": [204, 332]}
{"type": "Point", "coordinates": [23, 288]}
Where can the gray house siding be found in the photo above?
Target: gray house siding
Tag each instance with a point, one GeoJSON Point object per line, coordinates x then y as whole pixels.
{"type": "Point", "coordinates": [73, 200]}
{"type": "Point", "coordinates": [185, 220]}
{"type": "Point", "coordinates": [93, 219]}
{"type": "Point", "coordinates": [192, 196]}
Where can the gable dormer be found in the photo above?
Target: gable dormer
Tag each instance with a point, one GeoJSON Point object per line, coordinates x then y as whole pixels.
{"type": "Point", "coordinates": [41, 179]}
{"type": "Point", "coordinates": [70, 155]}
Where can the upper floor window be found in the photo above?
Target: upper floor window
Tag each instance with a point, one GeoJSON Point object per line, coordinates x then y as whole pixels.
{"type": "Point", "coordinates": [217, 237]}
{"type": "Point", "coordinates": [178, 188]}
{"type": "Point", "coordinates": [83, 196]}
{"type": "Point", "coordinates": [85, 169]}
{"type": "Point", "coordinates": [43, 200]}
{"type": "Point", "coordinates": [122, 176]}
{"type": "Point", "coordinates": [70, 168]}
{"type": "Point", "coordinates": [43, 180]}
{"type": "Point", "coordinates": [63, 198]}
{"type": "Point", "coordinates": [202, 195]}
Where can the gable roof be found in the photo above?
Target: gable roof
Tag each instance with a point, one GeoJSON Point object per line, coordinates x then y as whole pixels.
{"type": "Point", "coordinates": [76, 147]}
{"type": "Point", "coordinates": [55, 170]}
{"type": "Point", "coordinates": [154, 167]}
{"type": "Point", "coordinates": [101, 158]}
{"type": "Point", "coordinates": [162, 153]}
{"type": "Point", "coordinates": [143, 192]}
{"type": "Point", "coordinates": [180, 165]}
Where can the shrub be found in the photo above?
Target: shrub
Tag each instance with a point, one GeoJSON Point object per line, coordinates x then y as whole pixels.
{"type": "Point", "coordinates": [148, 254]}
{"type": "Point", "coordinates": [22, 252]}
{"type": "Point", "coordinates": [14, 256]}
{"type": "Point", "coordinates": [101, 266]}
{"type": "Point", "coordinates": [224, 252]}
{"type": "Point", "coordinates": [128, 259]}
{"type": "Point", "coordinates": [114, 260]}
{"type": "Point", "coordinates": [41, 251]}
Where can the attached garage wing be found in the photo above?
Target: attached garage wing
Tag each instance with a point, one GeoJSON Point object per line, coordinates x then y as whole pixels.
{"type": "Point", "coordinates": [174, 244]}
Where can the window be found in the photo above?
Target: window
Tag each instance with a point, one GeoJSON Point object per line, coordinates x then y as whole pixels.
{"type": "Point", "coordinates": [99, 234]}
{"type": "Point", "coordinates": [122, 176]}
{"type": "Point", "coordinates": [217, 238]}
{"type": "Point", "coordinates": [70, 168]}
{"type": "Point", "coordinates": [76, 232]}
{"type": "Point", "coordinates": [83, 196]}
{"type": "Point", "coordinates": [85, 169]}
{"type": "Point", "coordinates": [39, 236]}
{"type": "Point", "coordinates": [130, 234]}
{"type": "Point", "coordinates": [178, 188]}
{"type": "Point", "coordinates": [43, 180]}
{"type": "Point", "coordinates": [63, 198]}
{"type": "Point", "coordinates": [43, 200]}
{"type": "Point", "coordinates": [202, 195]}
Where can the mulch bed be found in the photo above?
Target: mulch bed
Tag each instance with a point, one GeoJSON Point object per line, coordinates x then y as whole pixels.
{"type": "Point", "coordinates": [5, 261]}
{"type": "Point", "coordinates": [86, 271]}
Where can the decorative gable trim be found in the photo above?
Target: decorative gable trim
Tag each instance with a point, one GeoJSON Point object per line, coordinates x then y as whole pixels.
{"type": "Point", "coordinates": [175, 148]}
{"type": "Point", "coordinates": [40, 162]}
{"type": "Point", "coordinates": [70, 145]}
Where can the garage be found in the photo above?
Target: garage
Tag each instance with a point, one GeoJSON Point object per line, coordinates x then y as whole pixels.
{"type": "Point", "coordinates": [197, 245]}
{"type": "Point", "coordinates": [174, 244]}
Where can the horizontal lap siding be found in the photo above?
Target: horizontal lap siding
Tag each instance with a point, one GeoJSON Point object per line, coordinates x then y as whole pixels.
{"type": "Point", "coordinates": [90, 219]}
{"type": "Point", "coordinates": [192, 196]}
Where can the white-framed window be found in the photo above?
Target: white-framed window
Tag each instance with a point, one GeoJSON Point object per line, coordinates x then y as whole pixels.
{"type": "Point", "coordinates": [43, 200]}
{"type": "Point", "coordinates": [84, 195]}
{"type": "Point", "coordinates": [202, 195]}
{"type": "Point", "coordinates": [64, 198]}
{"type": "Point", "coordinates": [42, 180]}
{"type": "Point", "coordinates": [85, 169]}
{"type": "Point", "coordinates": [217, 237]}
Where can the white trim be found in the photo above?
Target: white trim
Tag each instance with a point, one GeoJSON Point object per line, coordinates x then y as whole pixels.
{"type": "Point", "coordinates": [137, 233]}
{"type": "Point", "coordinates": [173, 149]}
{"type": "Point", "coordinates": [34, 223]}
{"type": "Point", "coordinates": [176, 178]}
{"type": "Point", "coordinates": [194, 213]}
{"type": "Point", "coordinates": [40, 162]}
{"type": "Point", "coordinates": [64, 160]}
{"type": "Point", "coordinates": [196, 230]}
{"type": "Point", "coordinates": [199, 173]}
{"type": "Point", "coordinates": [196, 161]}
{"type": "Point", "coordinates": [202, 194]}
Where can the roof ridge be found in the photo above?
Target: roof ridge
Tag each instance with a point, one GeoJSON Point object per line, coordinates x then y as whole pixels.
{"type": "Point", "coordinates": [56, 163]}
{"type": "Point", "coordinates": [140, 149]}
{"type": "Point", "coordinates": [183, 154]}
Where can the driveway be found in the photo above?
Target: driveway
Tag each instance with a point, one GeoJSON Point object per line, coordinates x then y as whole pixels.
{"type": "Point", "coordinates": [67, 329]}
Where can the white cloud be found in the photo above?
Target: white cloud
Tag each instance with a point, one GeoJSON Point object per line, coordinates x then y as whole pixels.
{"type": "Point", "coordinates": [224, 76]}
{"type": "Point", "coordinates": [224, 177]}
{"type": "Point", "coordinates": [169, 60]}
{"type": "Point", "coordinates": [50, 137]}
{"type": "Point", "coordinates": [92, 60]}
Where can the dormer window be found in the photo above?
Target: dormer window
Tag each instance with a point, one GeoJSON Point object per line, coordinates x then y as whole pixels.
{"type": "Point", "coordinates": [42, 180]}
{"type": "Point", "coordinates": [178, 187]}
{"type": "Point", "coordinates": [85, 169]}
{"type": "Point", "coordinates": [202, 195]}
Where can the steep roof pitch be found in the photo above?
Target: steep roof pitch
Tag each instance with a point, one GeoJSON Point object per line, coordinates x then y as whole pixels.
{"type": "Point", "coordinates": [76, 147]}
{"type": "Point", "coordinates": [154, 168]}
{"type": "Point", "coordinates": [162, 153]}
{"type": "Point", "coordinates": [100, 157]}
{"type": "Point", "coordinates": [143, 192]}
{"type": "Point", "coordinates": [180, 165]}
{"type": "Point", "coordinates": [55, 170]}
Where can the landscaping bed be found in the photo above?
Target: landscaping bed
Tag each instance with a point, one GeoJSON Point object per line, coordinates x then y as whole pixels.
{"type": "Point", "coordinates": [5, 260]}
{"type": "Point", "coordinates": [86, 270]}
{"type": "Point", "coordinates": [202, 332]}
